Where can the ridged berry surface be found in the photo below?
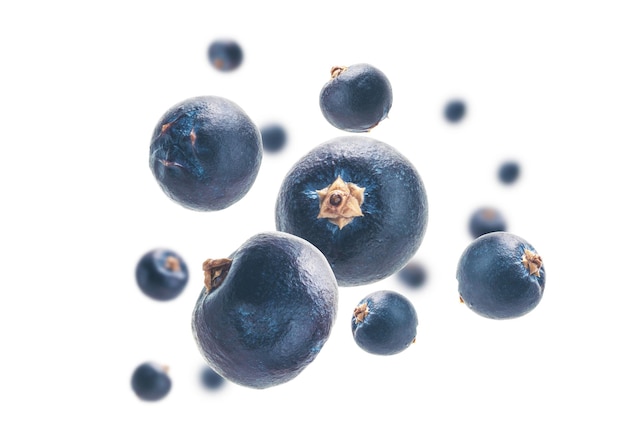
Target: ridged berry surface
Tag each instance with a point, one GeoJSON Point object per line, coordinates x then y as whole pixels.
{"type": "Point", "coordinates": [271, 314]}
{"type": "Point", "coordinates": [205, 153]}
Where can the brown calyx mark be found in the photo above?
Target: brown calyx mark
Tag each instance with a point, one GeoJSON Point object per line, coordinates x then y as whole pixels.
{"type": "Point", "coordinates": [361, 312]}
{"type": "Point", "coordinates": [461, 299]}
{"type": "Point", "coordinates": [532, 262]}
{"type": "Point", "coordinates": [172, 263]}
{"type": "Point", "coordinates": [215, 271]}
{"type": "Point", "coordinates": [340, 202]}
{"type": "Point", "coordinates": [337, 70]}
{"type": "Point", "coordinates": [193, 137]}
{"type": "Point", "coordinates": [166, 126]}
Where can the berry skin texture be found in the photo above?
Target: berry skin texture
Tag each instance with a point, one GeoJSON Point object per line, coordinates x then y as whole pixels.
{"type": "Point", "coordinates": [358, 200]}
{"type": "Point", "coordinates": [485, 220]}
{"type": "Point", "coordinates": [266, 311]}
{"type": "Point", "coordinates": [500, 276]}
{"type": "Point", "coordinates": [384, 323]}
{"type": "Point", "coordinates": [205, 153]}
{"type": "Point", "coordinates": [274, 137]}
{"type": "Point", "coordinates": [455, 110]}
{"type": "Point", "coordinates": [161, 274]}
{"type": "Point", "coordinates": [356, 98]}
{"type": "Point", "coordinates": [508, 172]}
{"type": "Point", "coordinates": [225, 55]}
{"type": "Point", "coordinates": [151, 382]}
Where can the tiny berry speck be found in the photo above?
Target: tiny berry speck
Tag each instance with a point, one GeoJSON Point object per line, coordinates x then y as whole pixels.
{"type": "Point", "coordinates": [455, 110]}
{"type": "Point", "coordinates": [225, 54]}
{"type": "Point", "coordinates": [509, 172]}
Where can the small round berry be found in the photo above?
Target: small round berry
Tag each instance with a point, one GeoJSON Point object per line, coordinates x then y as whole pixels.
{"type": "Point", "coordinates": [384, 323]}
{"type": "Point", "coordinates": [356, 98]}
{"type": "Point", "coordinates": [485, 220]}
{"type": "Point", "coordinates": [151, 382]}
{"type": "Point", "coordinates": [161, 274]}
{"type": "Point", "coordinates": [211, 379]}
{"type": "Point", "coordinates": [274, 137]}
{"type": "Point", "coordinates": [455, 110]}
{"type": "Point", "coordinates": [509, 172]}
{"type": "Point", "coordinates": [413, 274]}
{"type": "Point", "coordinates": [500, 276]}
{"type": "Point", "coordinates": [225, 55]}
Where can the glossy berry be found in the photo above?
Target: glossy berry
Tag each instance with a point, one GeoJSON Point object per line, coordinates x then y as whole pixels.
{"type": "Point", "coordinates": [500, 276]}
{"type": "Point", "coordinates": [150, 381]}
{"type": "Point", "coordinates": [486, 219]}
{"type": "Point", "coordinates": [508, 172]}
{"type": "Point", "coordinates": [210, 379]}
{"type": "Point", "coordinates": [274, 137]}
{"type": "Point", "coordinates": [455, 110]}
{"type": "Point", "coordinates": [225, 55]}
{"type": "Point", "coordinates": [266, 311]}
{"type": "Point", "coordinates": [361, 202]}
{"type": "Point", "coordinates": [413, 275]}
{"type": "Point", "coordinates": [384, 323]}
{"type": "Point", "coordinates": [161, 274]}
{"type": "Point", "coordinates": [356, 98]}
{"type": "Point", "coordinates": [205, 153]}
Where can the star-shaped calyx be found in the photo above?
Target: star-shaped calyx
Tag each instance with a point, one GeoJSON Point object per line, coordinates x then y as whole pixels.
{"type": "Point", "coordinates": [361, 312]}
{"type": "Point", "coordinates": [340, 202]}
{"type": "Point", "coordinates": [532, 262]}
{"type": "Point", "coordinates": [215, 271]}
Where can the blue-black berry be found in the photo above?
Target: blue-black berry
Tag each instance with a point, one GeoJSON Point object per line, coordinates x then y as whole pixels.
{"type": "Point", "coordinates": [150, 381]}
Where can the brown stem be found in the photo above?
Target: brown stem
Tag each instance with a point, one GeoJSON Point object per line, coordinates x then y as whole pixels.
{"type": "Point", "coordinates": [215, 271]}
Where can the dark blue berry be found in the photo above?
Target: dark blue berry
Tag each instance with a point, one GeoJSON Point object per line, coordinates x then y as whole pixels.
{"type": "Point", "coordinates": [414, 274]}
{"type": "Point", "coordinates": [485, 220]}
{"type": "Point", "coordinates": [509, 172]}
{"type": "Point", "coordinates": [358, 200]}
{"type": "Point", "coordinates": [151, 382]}
{"type": "Point", "coordinates": [274, 137]}
{"type": "Point", "coordinates": [455, 110]}
{"type": "Point", "coordinates": [500, 276]}
{"type": "Point", "coordinates": [356, 98]}
{"type": "Point", "coordinates": [266, 311]}
{"type": "Point", "coordinates": [225, 55]}
{"type": "Point", "coordinates": [206, 153]}
{"type": "Point", "coordinates": [384, 323]}
{"type": "Point", "coordinates": [211, 379]}
{"type": "Point", "coordinates": [161, 274]}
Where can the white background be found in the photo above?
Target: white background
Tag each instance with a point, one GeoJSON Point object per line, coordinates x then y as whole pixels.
{"type": "Point", "coordinates": [84, 83]}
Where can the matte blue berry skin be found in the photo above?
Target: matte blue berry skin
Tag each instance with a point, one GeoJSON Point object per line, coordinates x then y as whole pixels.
{"type": "Point", "coordinates": [205, 153]}
{"type": "Point", "coordinates": [388, 327]}
{"type": "Point", "coordinates": [161, 274]}
{"type": "Point", "coordinates": [225, 54]}
{"type": "Point", "coordinates": [395, 208]}
{"type": "Point", "coordinates": [272, 313]}
{"type": "Point", "coordinates": [508, 172]}
{"type": "Point", "coordinates": [485, 220]}
{"type": "Point", "coordinates": [493, 280]}
{"type": "Point", "coordinates": [150, 382]}
{"type": "Point", "coordinates": [455, 111]}
{"type": "Point", "coordinates": [356, 99]}
{"type": "Point", "coordinates": [274, 137]}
